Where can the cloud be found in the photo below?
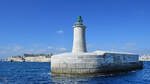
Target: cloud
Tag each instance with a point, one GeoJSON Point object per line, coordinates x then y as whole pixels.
{"type": "Point", "coordinates": [90, 45]}
{"type": "Point", "coordinates": [60, 32]}
{"type": "Point", "coordinates": [129, 45]}
{"type": "Point", "coordinates": [13, 50]}
{"type": "Point", "coordinates": [10, 50]}
{"type": "Point", "coordinates": [56, 48]}
{"type": "Point", "coordinates": [28, 50]}
{"type": "Point", "coordinates": [17, 48]}
{"type": "Point", "coordinates": [61, 49]}
{"type": "Point", "coordinates": [49, 49]}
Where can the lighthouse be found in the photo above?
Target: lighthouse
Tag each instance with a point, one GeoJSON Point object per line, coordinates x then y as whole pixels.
{"type": "Point", "coordinates": [79, 61]}
{"type": "Point", "coordinates": [79, 43]}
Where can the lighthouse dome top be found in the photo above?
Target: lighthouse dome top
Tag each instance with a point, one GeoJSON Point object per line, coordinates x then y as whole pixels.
{"type": "Point", "coordinates": [79, 21]}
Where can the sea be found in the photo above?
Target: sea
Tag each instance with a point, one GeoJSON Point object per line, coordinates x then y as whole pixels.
{"type": "Point", "coordinates": [40, 73]}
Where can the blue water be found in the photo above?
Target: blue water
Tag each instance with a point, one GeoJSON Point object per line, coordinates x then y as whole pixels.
{"type": "Point", "coordinates": [39, 73]}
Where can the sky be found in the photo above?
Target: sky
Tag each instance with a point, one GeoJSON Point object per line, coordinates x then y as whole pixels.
{"type": "Point", "coordinates": [45, 26]}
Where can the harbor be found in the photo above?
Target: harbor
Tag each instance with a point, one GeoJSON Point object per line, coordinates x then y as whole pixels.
{"type": "Point", "coordinates": [74, 42]}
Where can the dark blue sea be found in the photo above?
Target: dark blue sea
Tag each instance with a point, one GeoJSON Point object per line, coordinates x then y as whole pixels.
{"type": "Point", "coordinates": [39, 73]}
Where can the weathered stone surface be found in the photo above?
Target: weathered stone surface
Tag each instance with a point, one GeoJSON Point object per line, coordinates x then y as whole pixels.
{"type": "Point", "coordinates": [82, 63]}
{"type": "Point", "coordinates": [79, 43]}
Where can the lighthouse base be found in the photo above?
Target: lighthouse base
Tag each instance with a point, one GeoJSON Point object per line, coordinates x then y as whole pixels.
{"type": "Point", "coordinates": [95, 62]}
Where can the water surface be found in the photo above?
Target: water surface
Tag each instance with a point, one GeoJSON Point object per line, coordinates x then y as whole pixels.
{"type": "Point", "coordinates": [39, 73]}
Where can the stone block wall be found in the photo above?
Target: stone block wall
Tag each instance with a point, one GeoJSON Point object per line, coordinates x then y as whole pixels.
{"type": "Point", "coordinates": [92, 62]}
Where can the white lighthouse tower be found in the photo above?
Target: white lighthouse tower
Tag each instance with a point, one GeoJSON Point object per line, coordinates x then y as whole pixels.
{"type": "Point", "coordinates": [79, 43]}
{"type": "Point", "coordinates": [79, 61]}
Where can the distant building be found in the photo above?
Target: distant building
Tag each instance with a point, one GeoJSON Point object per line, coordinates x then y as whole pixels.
{"type": "Point", "coordinates": [16, 59]}
{"type": "Point", "coordinates": [37, 57]}
{"type": "Point", "coordinates": [31, 58]}
{"type": "Point", "coordinates": [145, 57]}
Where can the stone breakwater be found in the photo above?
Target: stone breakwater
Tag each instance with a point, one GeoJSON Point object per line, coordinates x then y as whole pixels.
{"type": "Point", "coordinates": [95, 62]}
{"type": "Point", "coordinates": [79, 61]}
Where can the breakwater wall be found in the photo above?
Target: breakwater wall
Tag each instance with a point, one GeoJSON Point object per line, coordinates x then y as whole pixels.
{"type": "Point", "coordinates": [95, 62]}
